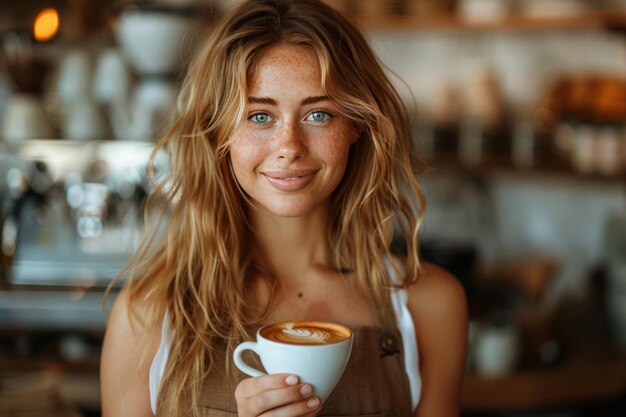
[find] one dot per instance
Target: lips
(290, 180)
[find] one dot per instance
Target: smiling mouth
(290, 182)
(296, 178)
(289, 174)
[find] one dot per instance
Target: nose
(290, 142)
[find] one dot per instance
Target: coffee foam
(306, 333)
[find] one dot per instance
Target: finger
(252, 386)
(311, 406)
(279, 398)
(304, 408)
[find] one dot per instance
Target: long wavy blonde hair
(199, 268)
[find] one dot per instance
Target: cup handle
(244, 367)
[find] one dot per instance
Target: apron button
(389, 344)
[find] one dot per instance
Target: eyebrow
(272, 102)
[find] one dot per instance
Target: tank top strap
(157, 367)
(385, 314)
(401, 317)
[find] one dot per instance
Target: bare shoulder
(127, 352)
(436, 292)
(438, 306)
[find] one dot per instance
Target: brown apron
(374, 382)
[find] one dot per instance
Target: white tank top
(399, 301)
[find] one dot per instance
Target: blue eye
(260, 118)
(318, 116)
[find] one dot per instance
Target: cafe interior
(518, 111)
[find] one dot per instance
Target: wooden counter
(577, 381)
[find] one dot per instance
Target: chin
(287, 210)
(293, 213)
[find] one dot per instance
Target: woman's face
(291, 152)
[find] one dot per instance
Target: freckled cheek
(336, 146)
(246, 155)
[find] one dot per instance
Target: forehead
(284, 65)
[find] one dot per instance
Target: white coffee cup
(25, 118)
(112, 77)
(74, 75)
(317, 352)
(496, 350)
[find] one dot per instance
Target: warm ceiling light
(46, 24)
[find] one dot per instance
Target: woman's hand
(279, 395)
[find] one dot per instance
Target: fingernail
(291, 380)
(306, 389)
(313, 402)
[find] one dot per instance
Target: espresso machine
(72, 210)
(71, 219)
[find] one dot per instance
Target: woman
(292, 169)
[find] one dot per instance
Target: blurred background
(519, 111)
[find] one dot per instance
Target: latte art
(306, 333)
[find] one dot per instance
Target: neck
(291, 246)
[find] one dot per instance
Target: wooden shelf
(443, 22)
(500, 165)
